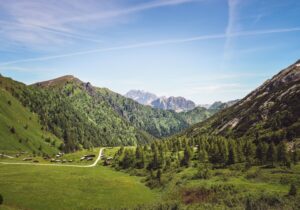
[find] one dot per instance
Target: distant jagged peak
(177, 104)
(141, 96)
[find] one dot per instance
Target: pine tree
(139, 156)
(187, 156)
(223, 148)
(249, 149)
(261, 152)
(232, 156)
(158, 175)
(271, 153)
(239, 151)
(203, 156)
(295, 154)
(282, 153)
(128, 159)
(155, 157)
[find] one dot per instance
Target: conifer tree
(139, 156)
(282, 153)
(271, 153)
(158, 175)
(232, 156)
(261, 152)
(295, 154)
(187, 156)
(128, 159)
(203, 156)
(249, 149)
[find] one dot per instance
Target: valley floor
(34, 187)
(46, 187)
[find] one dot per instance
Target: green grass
(28, 134)
(271, 182)
(75, 157)
(43, 187)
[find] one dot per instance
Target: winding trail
(60, 165)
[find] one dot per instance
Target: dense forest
(209, 157)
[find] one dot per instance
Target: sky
(204, 50)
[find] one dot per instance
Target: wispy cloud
(232, 27)
(126, 11)
(155, 43)
(36, 24)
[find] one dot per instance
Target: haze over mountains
(178, 104)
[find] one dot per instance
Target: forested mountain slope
(66, 109)
(270, 112)
(159, 123)
(197, 115)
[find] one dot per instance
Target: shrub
(293, 190)
(203, 173)
(253, 175)
(13, 130)
(1, 199)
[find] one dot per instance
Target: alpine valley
(241, 154)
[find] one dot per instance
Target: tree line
(215, 150)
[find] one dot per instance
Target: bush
(203, 173)
(253, 175)
(293, 190)
(13, 130)
(1, 199)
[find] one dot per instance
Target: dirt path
(61, 165)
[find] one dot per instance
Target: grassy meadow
(46, 187)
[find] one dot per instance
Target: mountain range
(68, 114)
(178, 104)
(269, 113)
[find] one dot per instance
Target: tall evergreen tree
(187, 156)
(282, 153)
(158, 175)
(271, 153)
(295, 154)
(203, 156)
(261, 152)
(140, 158)
(232, 155)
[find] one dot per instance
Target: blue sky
(204, 50)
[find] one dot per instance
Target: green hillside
(197, 115)
(71, 111)
(20, 129)
(84, 116)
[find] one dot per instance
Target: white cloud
(153, 43)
